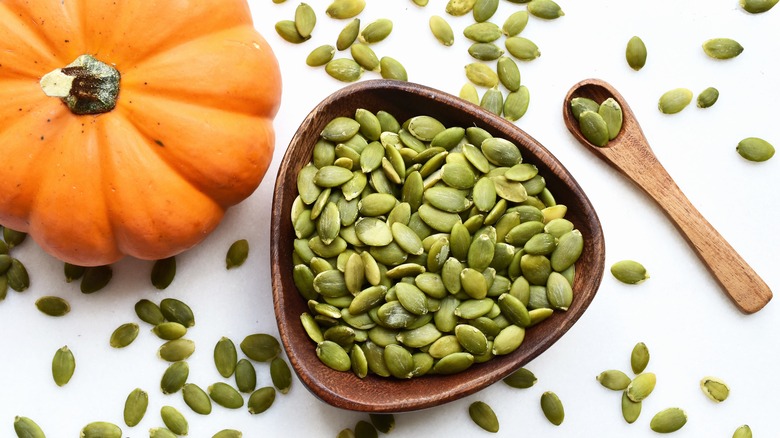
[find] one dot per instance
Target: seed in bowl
(425, 248)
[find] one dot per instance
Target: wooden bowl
(378, 394)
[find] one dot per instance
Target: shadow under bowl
(387, 395)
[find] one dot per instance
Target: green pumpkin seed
(636, 53)
(641, 387)
(376, 31)
(453, 363)
(62, 366)
(483, 416)
(228, 433)
(552, 408)
(714, 388)
(640, 356)
(743, 432)
(384, 423)
(722, 48)
(469, 93)
(508, 340)
(13, 237)
(582, 104)
(346, 433)
(174, 377)
(161, 432)
(559, 292)
(246, 376)
(225, 395)
(320, 56)
(176, 350)
(441, 30)
(175, 310)
(481, 75)
(501, 152)
(522, 48)
(308, 190)
(101, 429)
(399, 361)
(610, 111)
(594, 128)
(289, 32)
(163, 272)
(629, 408)
(516, 103)
(508, 73)
(514, 310)
(485, 51)
(546, 9)
(135, 407)
(493, 101)
(752, 149)
(237, 254)
(629, 272)
(73, 272)
(281, 376)
(521, 379)
(260, 347)
(486, 32)
(390, 68)
(27, 428)
(669, 420)
(472, 339)
(674, 101)
(174, 420)
(52, 306)
(425, 128)
(348, 35)
(124, 335)
(484, 9)
(333, 355)
(370, 126)
(364, 56)
(344, 69)
(305, 20)
(707, 98)
(364, 429)
(515, 23)
(615, 380)
(196, 398)
(95, 278)
(757, 6)
(459, 8)
(343, 9)
(225, 357)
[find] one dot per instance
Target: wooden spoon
(631, 155)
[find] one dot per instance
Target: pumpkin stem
(86, 86)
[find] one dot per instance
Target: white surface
(690, 327)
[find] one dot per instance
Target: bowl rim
(285, 191)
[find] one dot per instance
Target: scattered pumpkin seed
(225, 395)
(228, 433)
(96, 278)
(442, 30)
(163, 272)
(135, 407)
(237, 254)
(174, 377)
(344, 69)
(751, 148)
(722, 48)
(459, 8)
(364, 429)
(615, 380)
(348, 35)
(552, 408)
(757, 6)
(52, 306)
(707, 98)
(169, 330)
(521, 379)
(674, 101)
(629, 272)
(522, 48)
(260, 347)
(376, 31)
(343, 9)
(196, 398)
(101, 429)
(149, 312)
(175, 310)
(546, 9)
(483, 10)
(346, 433)
(305, 20)
(124, 335)
(630, 408)
(73, 272)
(483, 416)
(493, 101)
(485, 51)
(668, 420)
(261, 400)
(281, 376)
(320, 55)
(27, 428)
(714, 388)
(636, 53)
(486, 32)
(63, 366)
(225, 357)
(640, 356)
(161, 432)
(17, 276)
(384, 423)
(176, 350)
(390, 68)
(743, 432)
(246, 376)
(13, 237)
(469, 93)
(641, 387)
(481, 74)
(516, 103)
(508, 73)
(289, 32)
(515, 23)
(174, 420)
(3, 287)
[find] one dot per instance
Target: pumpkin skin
(191, 134)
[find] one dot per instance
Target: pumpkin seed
(305, 20)
(669, 420)
(196, 398)
(521, 379)
(52, 306)
(568, 250)
(169, 330)
(594, 128)
(261, 400)
(343, 9)
(454, 363)
(483, 416)
(174, 377)
(472, 339)
(101, 429)
(516, 103)
(346, 433)
(384, 423)
(289, 32)
(522, 48)
(320, 56)
(640, 356)
(333, 355)
(163, 272)
(281, 375)
(124, 335)
(484, 9)
(225, 395)
(13, 238)
(364, 429)
(481, 75)
(641, 387)
(615, 380)
(674, 101)
(176, 350)
(344, 69)
(469, 93)
(508, 340)
(582, 104)
(175, 310)
(714, 388)
(508, 73)
(237, 254)
(228, 433)
(348, 35)
(95, 278)
(546, 9)
(559, 292)
(174, 420)
(441, 30)
(27, 428)
(73, 272)
(630, 409)
(376, 31)
(514, 310)
(399, 361)
(260, 347)
(515, 23)
(610, 111)
(390, 68)
(225, 357)
(485, 51)
(636, 53)
(493, 101)
(552, 408)
(722, 48)
(743, 432)
(707, 98)
(459, 8)
(752, 149)
(364, 56)
(135, 407)
(757, 6)
(629, 272)
(63, 366)
(161, 432)
(486, 32)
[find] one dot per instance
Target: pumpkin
(94, 173)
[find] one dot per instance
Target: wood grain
(377, 394)
(632, 156)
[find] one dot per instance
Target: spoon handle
(740, 282)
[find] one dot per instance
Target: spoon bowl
(377, 394)
(631, 155)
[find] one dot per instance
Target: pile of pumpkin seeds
(425, 248)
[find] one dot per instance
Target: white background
(690, 327)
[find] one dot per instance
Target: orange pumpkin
(151, 174)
